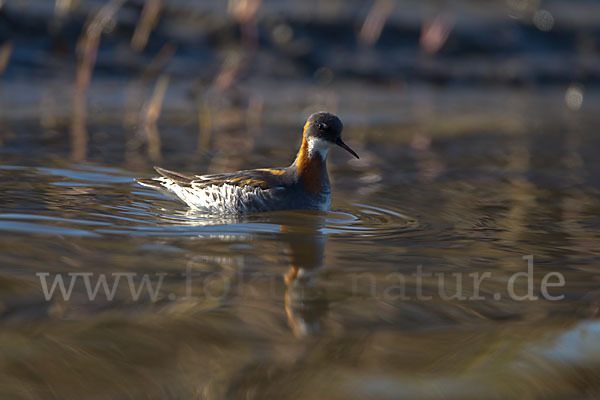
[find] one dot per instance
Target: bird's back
(241, 192)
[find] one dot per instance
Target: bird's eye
(322, 126)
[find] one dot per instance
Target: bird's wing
(260, 178)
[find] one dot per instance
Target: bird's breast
(313, 174)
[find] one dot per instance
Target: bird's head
(322, 130)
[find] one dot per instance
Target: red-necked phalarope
(304, 185)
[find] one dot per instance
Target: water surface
(274, 305)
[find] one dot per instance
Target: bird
(304, 185)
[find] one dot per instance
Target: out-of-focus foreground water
(376, 299)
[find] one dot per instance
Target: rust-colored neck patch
(310, 169)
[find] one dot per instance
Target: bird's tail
(169, 183)
(151, 183)
(166, 175)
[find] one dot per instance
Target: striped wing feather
(263, 179)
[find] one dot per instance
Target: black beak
(344, 146)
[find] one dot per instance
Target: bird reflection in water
(305, 303)
(302, 234)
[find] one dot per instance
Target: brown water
(460, 260)
(308, 305)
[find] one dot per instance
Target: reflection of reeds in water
(375, 21)
(147, 22)
(244, 11)
(224, 106)
(63, 7)
(88, 51)
(434, 34)
(150, 117)
(5, 52)
(88, 45)
(140, 117)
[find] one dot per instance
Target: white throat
(319, 147)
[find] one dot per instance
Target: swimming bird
(304, 185)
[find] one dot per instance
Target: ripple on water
(361, 220)
(356, 221)
(114, 205)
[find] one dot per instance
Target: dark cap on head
(331, 122)
(327, 126)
